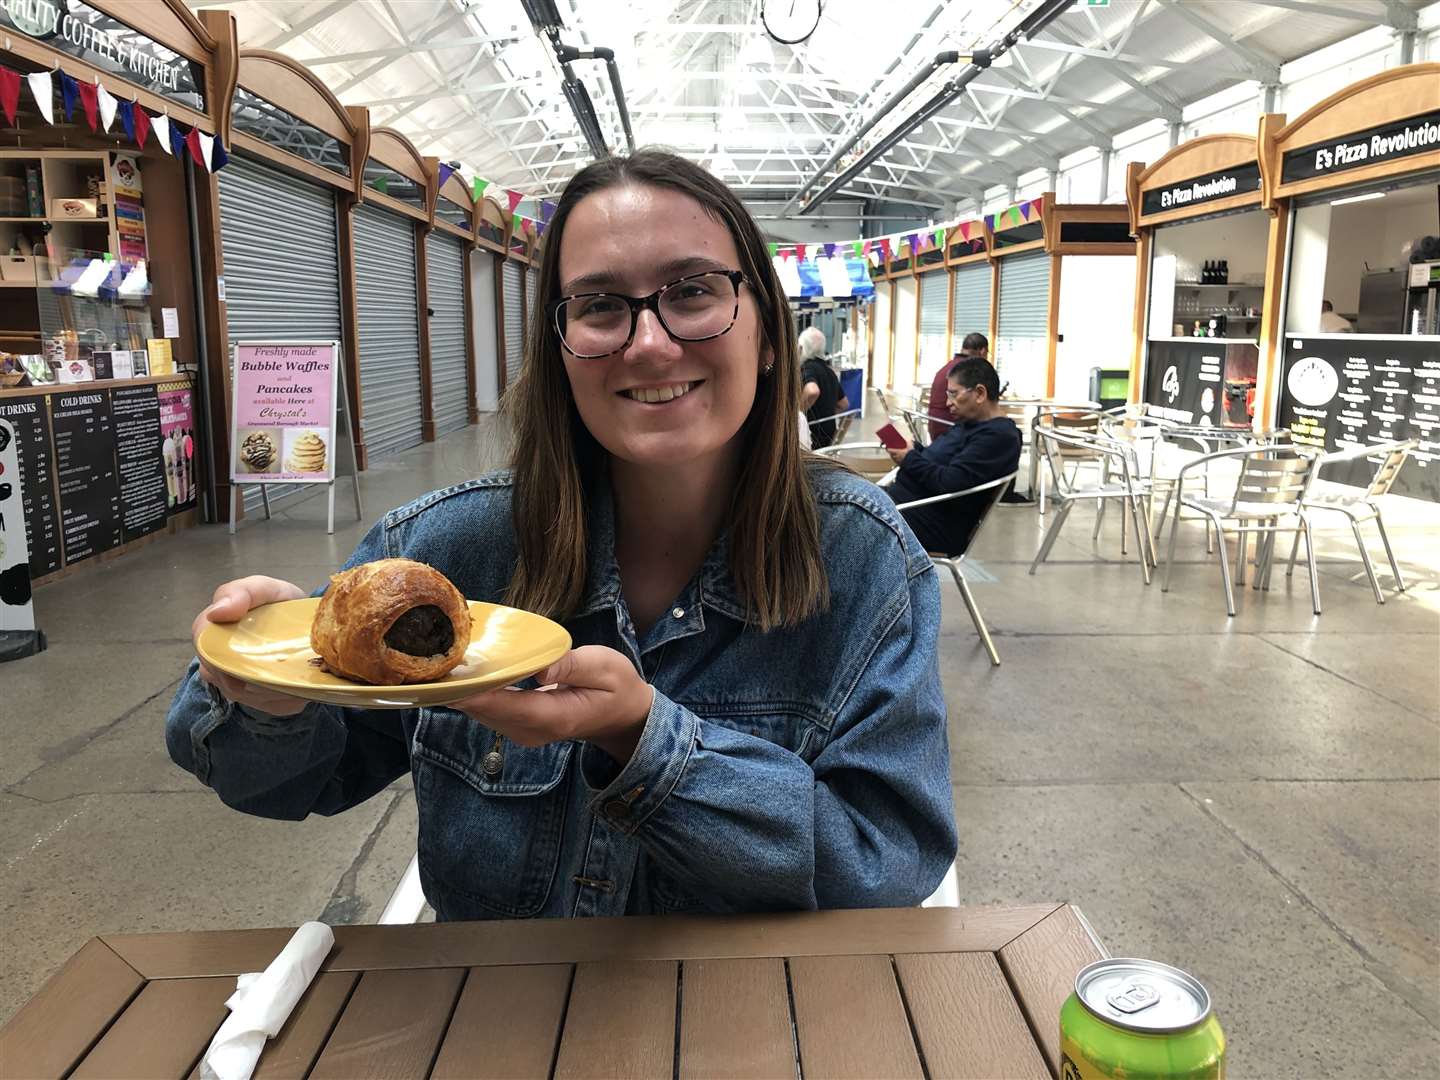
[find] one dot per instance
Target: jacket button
(678, 612)
(492, 763)
(617, 808)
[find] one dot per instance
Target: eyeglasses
(695, 308)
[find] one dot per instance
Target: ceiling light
(1358, 198)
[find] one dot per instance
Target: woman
(752, 717)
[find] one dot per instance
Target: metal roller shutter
(1024, 295)
(389, 330)
(971, 313)
(934, 307)
(279, 283)
(514, 321)
(445, 281)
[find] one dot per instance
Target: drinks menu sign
(282, 424)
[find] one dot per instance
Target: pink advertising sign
(282, 423)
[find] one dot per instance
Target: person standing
(974, 345)
(820, 393)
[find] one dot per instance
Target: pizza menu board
(143, 472)
(84, 433)
(1346, 390)
(30, 417)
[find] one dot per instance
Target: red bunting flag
(965, 230)
(192, 140)
(90, 102)
(885, 247)
(9, 92)
(866, 249)
(800, 252)
(514, 197)
(142, 125)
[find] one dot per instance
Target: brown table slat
(564, 941)
(163, 1032)
(60, 1023)
(621, 1022)
(735, 1020)
(968, 1023)
(392, 1025)
(849, 1019)
(294, 1050)
(507, 1023)
(1041, 965)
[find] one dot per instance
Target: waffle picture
(257, 451)
(307, 454)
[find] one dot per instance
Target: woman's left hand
(597, 696)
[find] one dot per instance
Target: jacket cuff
(628, 799)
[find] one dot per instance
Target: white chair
(953, 561)
(1362, 508)
(407, 902)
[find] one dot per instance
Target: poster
(1346, 390)
(177, 444)
(1204, 381)
(283, 420)
(136, 412)
(16, 611)
(129, 203)
(84, 434)
(30, 417)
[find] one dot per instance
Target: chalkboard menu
(136, 410)
(85, 463)
(31, 418)
(1348, 390)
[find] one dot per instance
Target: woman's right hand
(230, 603)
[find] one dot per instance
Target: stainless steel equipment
(1382, 302)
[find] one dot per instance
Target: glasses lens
(595, 325)
(700, 307)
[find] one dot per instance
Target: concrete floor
(1254, 799)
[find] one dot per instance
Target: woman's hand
(598, 697)
(230, 603)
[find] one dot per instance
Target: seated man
(983, 445)
(973, 345)
(820, 393)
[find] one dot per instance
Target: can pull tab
(1133, 997)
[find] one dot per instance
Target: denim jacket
(801, 768)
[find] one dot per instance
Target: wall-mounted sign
(75, 28)
(1240, 180)
(1388, 142)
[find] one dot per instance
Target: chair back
(1076, 424)
(1062, 446)
(1273, 478)
(992, 498)
(1387, 472)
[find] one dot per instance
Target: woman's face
(633, 240)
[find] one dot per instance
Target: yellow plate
(270, 647)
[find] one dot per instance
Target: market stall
(1357, 180)
(1202, 290)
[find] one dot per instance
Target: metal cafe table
(904, 992)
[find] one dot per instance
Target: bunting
(774, 250)
(42, 88)
(446, 171)
(108, 105)
(161, 124)
(547, 211)
(89, 101)
(940, 237)
(479, 186)
(142, 124)
(126, 112)
(9, 93)
(800, 252)
(514, 197)
(69, 97)
(177, 140)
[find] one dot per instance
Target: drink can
(1139, 1020)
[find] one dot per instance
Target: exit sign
(1092, 3)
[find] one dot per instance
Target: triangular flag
(197, 153)
(161, 124)
(446, 171)
(207, 145)
(514, 224)
(885, 247)
(9, 93)
(142, 125)
(218, 157)
(964, 227)
(1014, 215)
(480, 186)
(514, 197)
(69, 96)
(774, 250)
(127, 118)
(525, 225)
(800, 250)
(89, 102)
(914, 242)
(1025, 211)
(990, 222)
(547, 210)
(177, 139)
(828, 251)
(43, 89)
(1036, 204)
(108, 104)
(939, 237)
(382, 185)
(858, 248)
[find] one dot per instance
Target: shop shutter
(1024, 295)
(279, 283)
(389, 330)
(934, 306)
(514, 321)
(445, 280)
(971, 314)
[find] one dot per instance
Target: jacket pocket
(490, 841)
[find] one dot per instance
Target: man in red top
(976, 345)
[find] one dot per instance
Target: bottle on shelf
(1224, 271)
(1205, 273)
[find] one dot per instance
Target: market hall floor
(1255, 799)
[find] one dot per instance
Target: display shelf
(55, 221)
(1213, 285)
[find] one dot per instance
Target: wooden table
(906, 992)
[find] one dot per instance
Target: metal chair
(842, 422)
(919, 424)
(1131, 490)
(869, 459)
(1271, 485)
(1071, 421)
(1362, 508)
(954, 561)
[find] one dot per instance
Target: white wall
(1372, 233)
(482, 301)
(1240, 239)
(1097, 309)
(906, 299)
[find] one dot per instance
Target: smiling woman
(752, 717)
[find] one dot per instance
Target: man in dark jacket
(983, 445)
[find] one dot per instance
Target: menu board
(30, 417)
(283, 418)
(143, 472)
(1186, 380)
(84, 433)
(177, 432)
(16, 612)
(1347, 390)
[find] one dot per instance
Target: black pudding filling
(421, 631)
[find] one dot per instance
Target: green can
(1139, 1020)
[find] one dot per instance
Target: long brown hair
(773, 524)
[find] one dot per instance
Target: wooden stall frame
(1062, 214)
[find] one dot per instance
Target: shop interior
(1208, 276)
